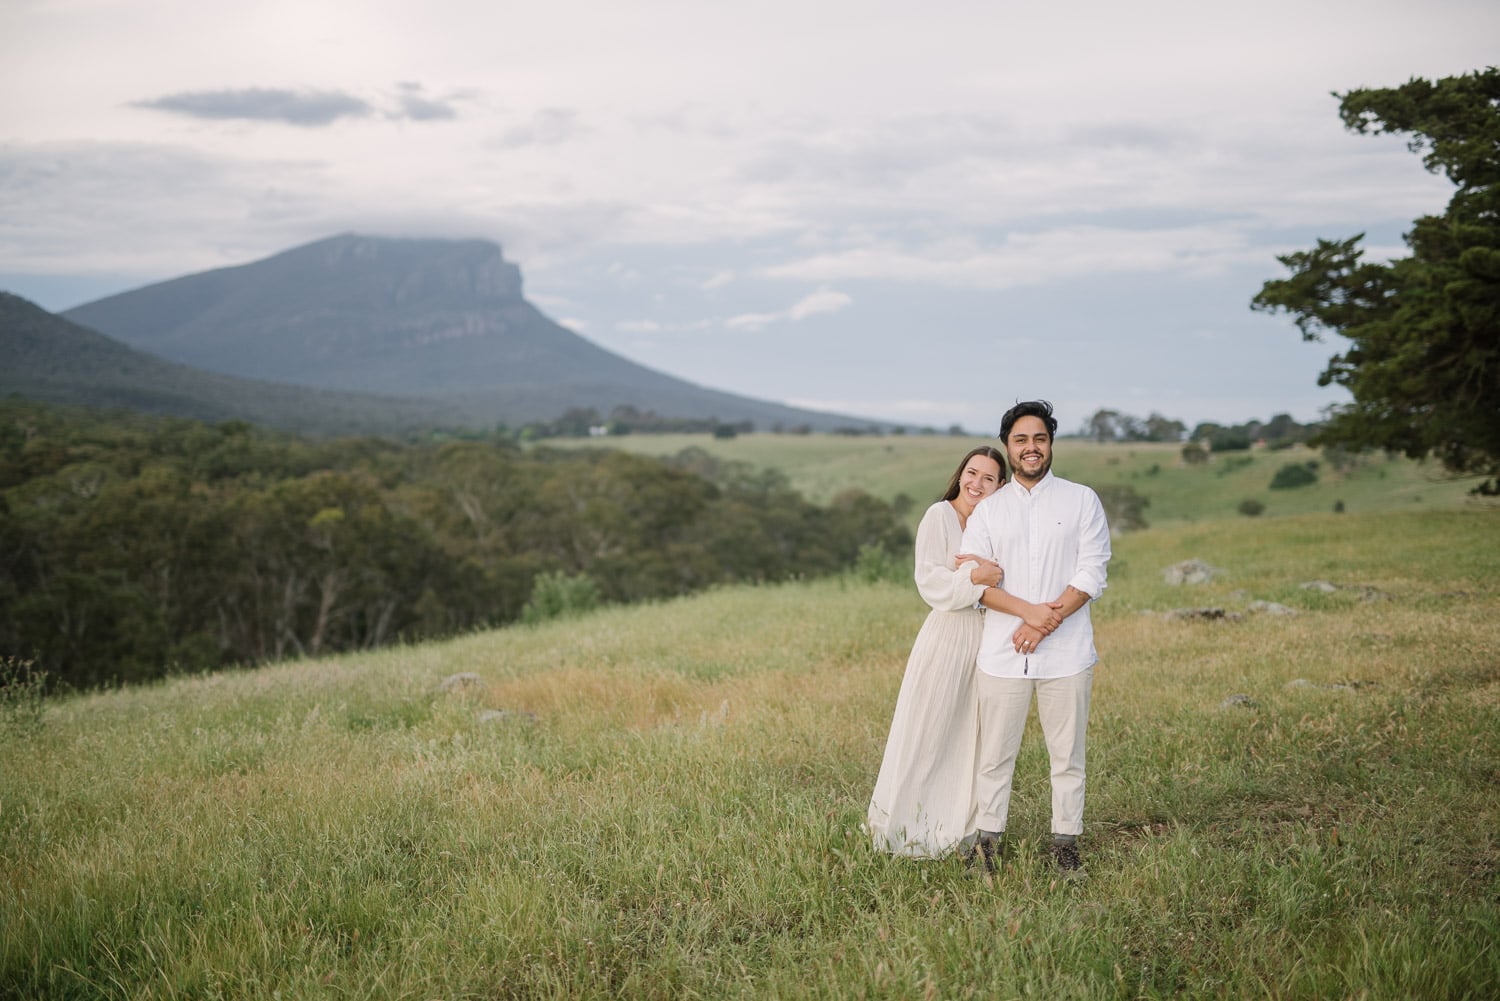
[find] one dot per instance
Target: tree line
(1280, 431)
(132, 547)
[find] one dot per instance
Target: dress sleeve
(941, 586)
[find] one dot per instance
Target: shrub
(1194, 454)
(1250, 507)
(1229, 440)
(1292, 475)
(875, 564)
(1123, 507)
(556, 594)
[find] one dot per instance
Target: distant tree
(1159, 428)
(1423, 362)
(1194, 454)
(1282, 428)
(1103, 425)
(1112, 425)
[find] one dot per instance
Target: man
(1051, 537)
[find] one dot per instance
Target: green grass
(919, 466)
(671, 808)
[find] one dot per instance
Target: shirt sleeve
(944, 588)
(1091, 576)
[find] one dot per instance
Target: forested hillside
(132, 547)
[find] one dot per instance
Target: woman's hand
(988, 572)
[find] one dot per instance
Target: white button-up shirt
(1046, 538)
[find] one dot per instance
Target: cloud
(413, 104)
(1035, 258)
(263, 104)
(822, 301)
(100, 207)
(548, 127)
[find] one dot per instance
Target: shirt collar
(1041, 485)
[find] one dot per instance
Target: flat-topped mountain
(441, 319)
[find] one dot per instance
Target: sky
(911, 212)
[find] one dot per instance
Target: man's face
(1029, 449)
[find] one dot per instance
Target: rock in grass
(503, 715)
(1321, 586)
(1189, 572)
(1271, 608)
(1238, 702)
(458, 682)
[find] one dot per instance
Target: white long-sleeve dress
(923, 804)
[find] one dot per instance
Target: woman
(923, 804)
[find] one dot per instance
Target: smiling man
(1051, 536)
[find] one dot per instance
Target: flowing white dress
(923, 804)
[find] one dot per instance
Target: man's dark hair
(1031, 408)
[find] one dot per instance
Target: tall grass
(664, 801)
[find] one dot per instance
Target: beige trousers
(1062, 706)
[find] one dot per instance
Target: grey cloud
(413, 104)
(263, 104)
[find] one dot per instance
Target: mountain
(54, 360)
(442, 319)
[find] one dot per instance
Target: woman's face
(980, 478)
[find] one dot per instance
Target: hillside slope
(51, 359)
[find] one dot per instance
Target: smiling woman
(923, 803)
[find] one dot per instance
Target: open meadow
(820, 466)
(664, 801)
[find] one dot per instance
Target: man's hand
(1044, 618)
(1026, 638)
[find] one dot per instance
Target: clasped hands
(1038, 621)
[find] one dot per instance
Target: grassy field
(919, 466)
(664, 801)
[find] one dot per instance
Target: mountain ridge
(444, 320)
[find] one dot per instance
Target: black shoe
(1065, 854)
(989, 850)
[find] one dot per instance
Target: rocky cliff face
(424, 269)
